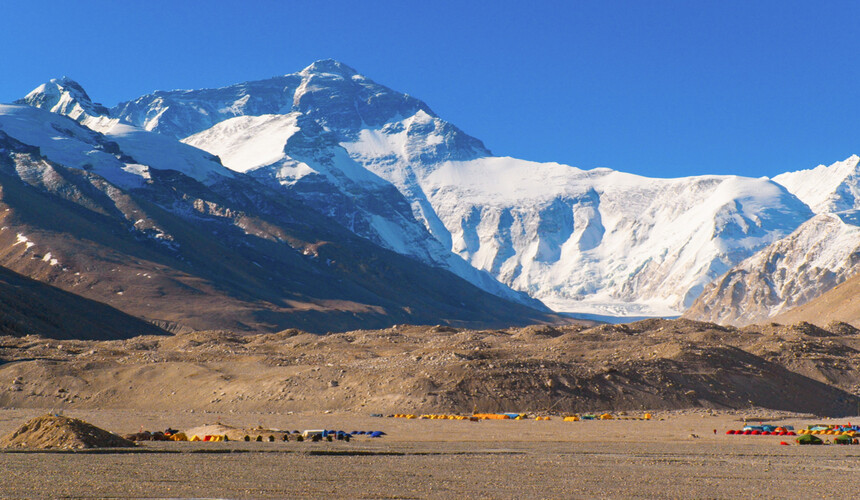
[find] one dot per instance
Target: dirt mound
(54, 431)
(843, 329)
(811, 330)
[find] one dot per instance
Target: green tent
(843, 439)
(809, 439)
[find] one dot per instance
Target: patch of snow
(23, 239)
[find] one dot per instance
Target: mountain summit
(64, 96)
(330, 66)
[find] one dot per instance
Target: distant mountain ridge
(387, 168)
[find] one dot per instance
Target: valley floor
(442, 459)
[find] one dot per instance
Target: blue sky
(658, 88)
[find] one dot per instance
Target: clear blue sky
(658, 88)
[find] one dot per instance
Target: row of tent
(516, 416)
(832, 430)
(779, 431)
(604, 416)
(768, 428)
(313, 435)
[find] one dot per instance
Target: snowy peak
(823, 252)
(64, 96)
(329, 92)
(826, 189)
(330, 66)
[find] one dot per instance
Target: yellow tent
(179, 436)
(195, 438)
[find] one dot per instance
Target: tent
(843, 439)
(809, 439)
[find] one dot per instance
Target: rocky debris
(56, 431)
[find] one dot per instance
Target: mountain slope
(820, 254)
(28, 307)
(840, 303)
(218, 251)
(594, 241)
(294, 152)
(826, 189)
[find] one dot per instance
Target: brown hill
(56, 431)
(842, 303)
(654, 364)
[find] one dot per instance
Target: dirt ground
(675, 455)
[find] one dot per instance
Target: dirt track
(442, 459)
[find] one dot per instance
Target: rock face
(820, 254)
(162, 231)
(595, 241)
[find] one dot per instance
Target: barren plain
(675, 455)
(695, 378)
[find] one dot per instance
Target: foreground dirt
(654, 364)
(660, 458)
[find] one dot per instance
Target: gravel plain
(675, 455)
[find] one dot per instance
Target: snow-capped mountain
(820, 254)
(160, 230)
(587, 241)
(295, 153)
(826, 189)
(617, 243)
(385, 166)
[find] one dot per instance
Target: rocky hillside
(841, 303)
(653, 364)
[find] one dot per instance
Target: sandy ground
(441, 459)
